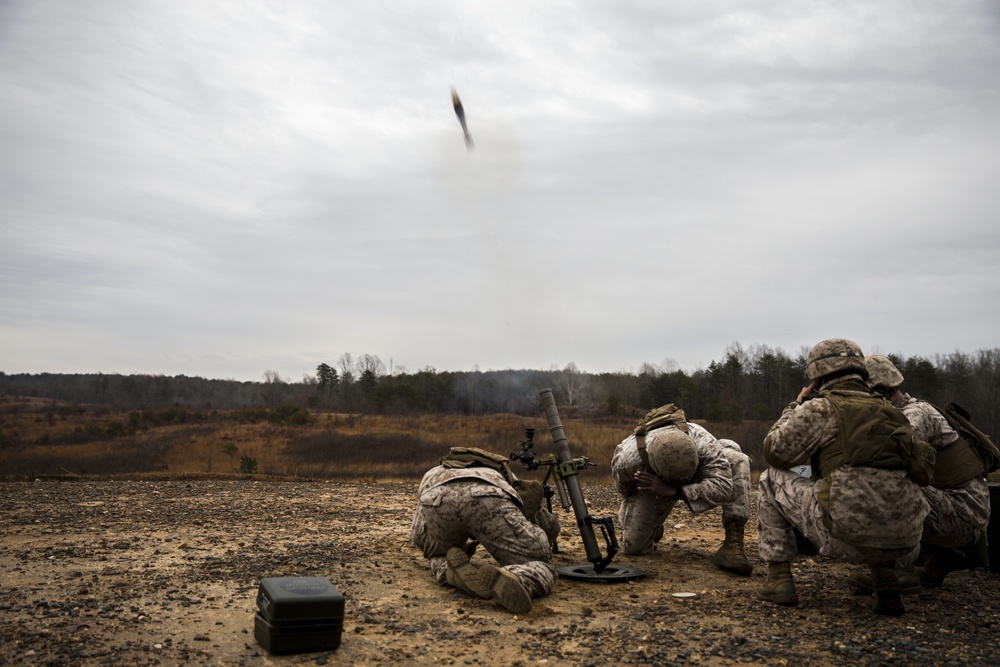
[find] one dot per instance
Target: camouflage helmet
(833, 355)
(672, 455)
(882, 372)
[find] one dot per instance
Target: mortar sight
(526, 456)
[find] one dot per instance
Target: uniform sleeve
(928, 424)
(714, 481)
(624, 464)
(799, 432)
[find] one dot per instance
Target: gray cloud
(219, 189)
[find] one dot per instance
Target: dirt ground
(165, 572)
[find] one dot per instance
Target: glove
(532, 493)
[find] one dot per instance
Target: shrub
(248, 465)
(249, 415)
(290, 415)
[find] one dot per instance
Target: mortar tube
(594, 553)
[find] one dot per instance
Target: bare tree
(670, 365)
(370, 363)
(273, 388)
(346, 363)
(370, 371)
(652, 370)
(573, 383)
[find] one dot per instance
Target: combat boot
(486, 581)
(463, 575)
(909, 581)
(506, 588)
(938, 563)
(732, 555)
(888, 600)
(779, 587)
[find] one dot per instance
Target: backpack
(472, 457)
(665, 415)
(980, 443)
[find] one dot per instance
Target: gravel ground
(165, 572)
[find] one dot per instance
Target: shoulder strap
(640, 443)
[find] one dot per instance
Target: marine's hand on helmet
(805, 392)
(650, 482)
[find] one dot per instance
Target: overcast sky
(222, 188)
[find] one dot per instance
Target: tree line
(749, 383)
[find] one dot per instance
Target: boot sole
(488, 582)
(509, 593)
(467, 576)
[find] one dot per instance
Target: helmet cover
(672, 455)
(882, 372)
(833, 355)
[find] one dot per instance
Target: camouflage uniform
(960, 515)
(722, 478)
(872, 512)
(461, 504)
(737, 508)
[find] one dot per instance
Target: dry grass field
(38, 438)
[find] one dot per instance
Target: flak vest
(871, 433)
